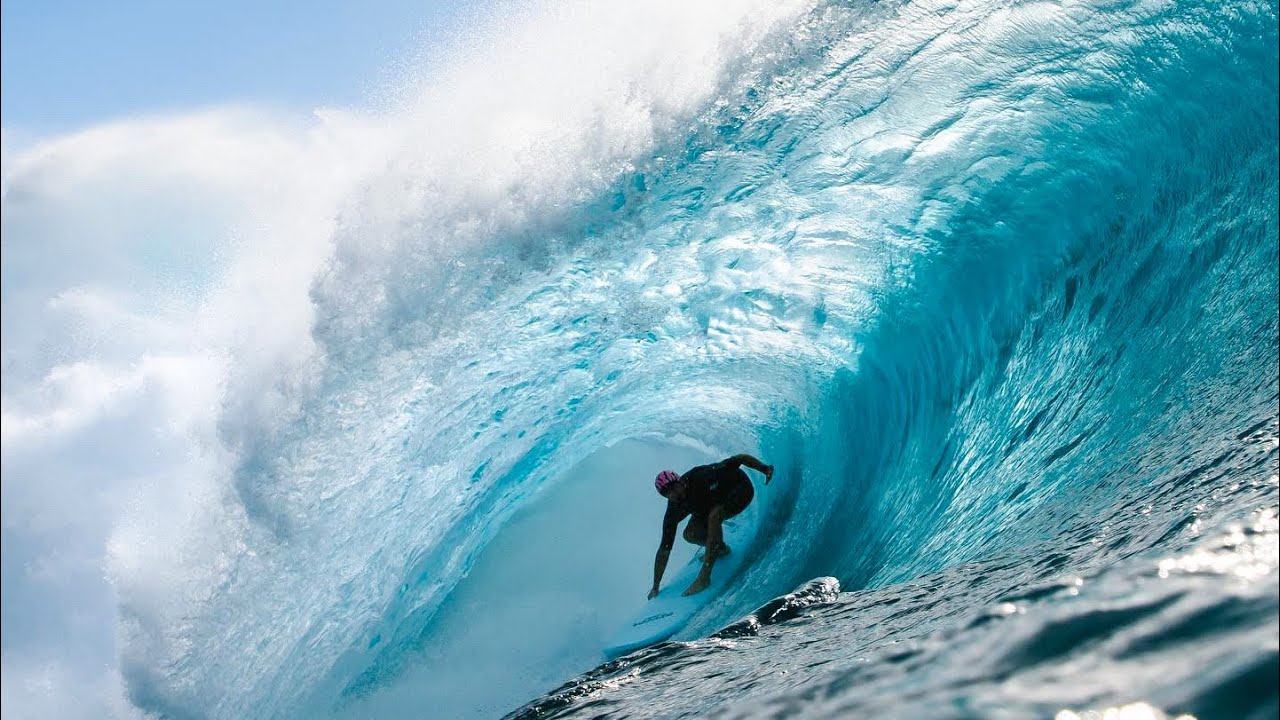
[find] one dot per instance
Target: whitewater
(358, 415)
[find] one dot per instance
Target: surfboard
(666, 614)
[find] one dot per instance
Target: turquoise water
(994, 286)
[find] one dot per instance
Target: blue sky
(67, 64)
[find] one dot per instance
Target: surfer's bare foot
(702, 556)
(698, 586)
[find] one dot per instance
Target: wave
(967, 275)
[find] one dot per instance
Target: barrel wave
(993, 286)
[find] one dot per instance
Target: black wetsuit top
(722, 483)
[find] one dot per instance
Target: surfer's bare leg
(714, 541)
(695, 533)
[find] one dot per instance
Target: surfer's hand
(653, 593)
(768, 474)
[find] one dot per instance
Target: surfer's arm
(669, 523)
(753, 463)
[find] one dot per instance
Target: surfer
(711, 494)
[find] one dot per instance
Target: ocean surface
(992, 284)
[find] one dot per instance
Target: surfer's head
(665, 480)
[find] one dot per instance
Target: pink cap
(664, 480)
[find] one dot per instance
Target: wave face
(994, 286)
